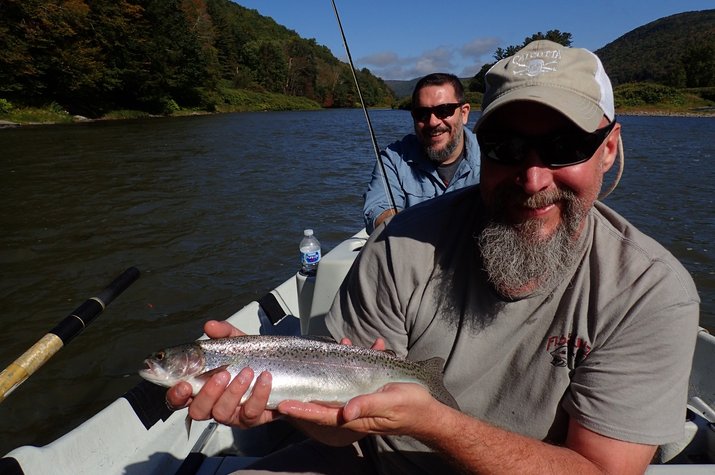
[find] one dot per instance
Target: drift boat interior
(137, 434)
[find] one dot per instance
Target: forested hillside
(92, 56)
(677, 51)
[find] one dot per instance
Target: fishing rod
(375, 147)
(72, 325)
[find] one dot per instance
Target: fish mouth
(152, 371)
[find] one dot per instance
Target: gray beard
(518, 261)
(439, 156)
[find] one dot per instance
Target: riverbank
(700, 112)
(128, 115)
(228, 100)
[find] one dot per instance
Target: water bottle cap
(308, 232)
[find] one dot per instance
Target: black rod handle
(82, 316)
(38, 354)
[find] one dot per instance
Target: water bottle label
(312, 257)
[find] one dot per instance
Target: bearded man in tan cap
(567, 334)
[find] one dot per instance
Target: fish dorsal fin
(320, 338)
(433, 365)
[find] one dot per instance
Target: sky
(396, 39)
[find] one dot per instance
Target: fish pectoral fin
(211, 372)
(187, 424)
(328, 403)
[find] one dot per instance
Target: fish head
(171, 365)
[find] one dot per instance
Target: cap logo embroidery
(535, 63)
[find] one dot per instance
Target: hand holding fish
(219, 400)
(179, 395)
(395, 409)
(221, 372)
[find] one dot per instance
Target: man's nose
(534, 176)
(433, 120)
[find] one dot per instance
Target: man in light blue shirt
(441, 156)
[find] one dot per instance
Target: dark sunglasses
(442, 111)
(559, 149)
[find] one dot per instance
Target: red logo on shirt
(567, 350)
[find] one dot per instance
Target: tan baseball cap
(569, 80)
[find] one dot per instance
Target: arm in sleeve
(633, 386)
(376, 199)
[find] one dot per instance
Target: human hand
(394, 409)
(220, 400)
(378, 345)
(221, 329)
(179, 395)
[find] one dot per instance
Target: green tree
(177, 55)
(52, 39)
(16, 65)
(89, 56)
(699, 66)
(267, 63)
(229, 38)
(302, 70)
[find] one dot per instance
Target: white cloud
(383, 59)
(479, 47)
(464, 61)
(389, 65)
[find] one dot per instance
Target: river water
(211, 210)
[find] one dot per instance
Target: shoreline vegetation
(48, 116)
(644, 99)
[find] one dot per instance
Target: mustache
(546, 198)
(439, 129)
(512, 195)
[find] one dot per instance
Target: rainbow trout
(303, 368)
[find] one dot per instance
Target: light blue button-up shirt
(413, 177)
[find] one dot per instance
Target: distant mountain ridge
(402, 88)
(678, 50)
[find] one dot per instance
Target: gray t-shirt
(610, 345)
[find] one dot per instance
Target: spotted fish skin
(302, 368)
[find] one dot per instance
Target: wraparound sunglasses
(560, 149)
(442, 111)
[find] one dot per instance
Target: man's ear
(610, 150)
(465, 108)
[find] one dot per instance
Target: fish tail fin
(435, 381)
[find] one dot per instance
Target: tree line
(93, 56)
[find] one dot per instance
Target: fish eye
(160, 355)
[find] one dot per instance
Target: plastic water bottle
(309, 253)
